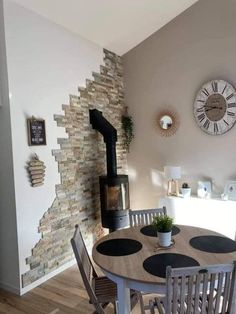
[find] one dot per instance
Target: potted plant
(163, 225)
(128, 132)
(186, 190)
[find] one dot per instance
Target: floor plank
(63, 294)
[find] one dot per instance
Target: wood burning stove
(114, 189)
(114, 196)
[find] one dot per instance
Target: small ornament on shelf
(186, 190)
(36, 169)
(204, 189)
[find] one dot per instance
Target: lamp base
(173, 188)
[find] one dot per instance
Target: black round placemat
(151, 231)
(156, 264)
(213, 244)
(119, 247)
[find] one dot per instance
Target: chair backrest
(85, 265)
(204, 290)
(145, 216)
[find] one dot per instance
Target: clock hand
(214, 108)
(207, 106)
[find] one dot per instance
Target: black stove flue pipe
(109, 133)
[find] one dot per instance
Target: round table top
(131, 266)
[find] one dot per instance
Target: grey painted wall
(168, 69)
(9, 267)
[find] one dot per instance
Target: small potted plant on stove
(163, 225)
(186, 190)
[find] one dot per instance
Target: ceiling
(118, 25)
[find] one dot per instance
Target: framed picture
(204, 189)
(230, 190)
(36, 132)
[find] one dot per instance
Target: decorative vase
(186, 192)
(164, 238)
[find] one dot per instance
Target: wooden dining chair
(101, 290)
(198, 290)
(145, 216)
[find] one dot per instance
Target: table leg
(123, 293)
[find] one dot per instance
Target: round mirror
(166, 122)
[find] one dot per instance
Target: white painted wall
(46, 63)
(9, 270)
(168, 69)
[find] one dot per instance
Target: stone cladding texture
(81, 160)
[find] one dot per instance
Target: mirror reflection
(166, 122)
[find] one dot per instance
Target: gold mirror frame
(175, 122)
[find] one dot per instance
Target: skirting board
(48, 276)
(9, 288)
(35, 284)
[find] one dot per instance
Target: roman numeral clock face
(215, 107)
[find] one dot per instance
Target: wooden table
(128, 272)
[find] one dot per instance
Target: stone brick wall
(81, 159)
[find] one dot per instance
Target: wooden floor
(64, 293)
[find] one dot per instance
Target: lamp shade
(172, 172)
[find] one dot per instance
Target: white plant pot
(164, 238)
(186, 192)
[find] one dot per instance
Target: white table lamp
(173, 174)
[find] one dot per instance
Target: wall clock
(215, 107)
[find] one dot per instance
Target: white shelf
(212, 198)
(214, 213)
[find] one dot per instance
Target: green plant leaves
(128, 135)
(163, 223)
